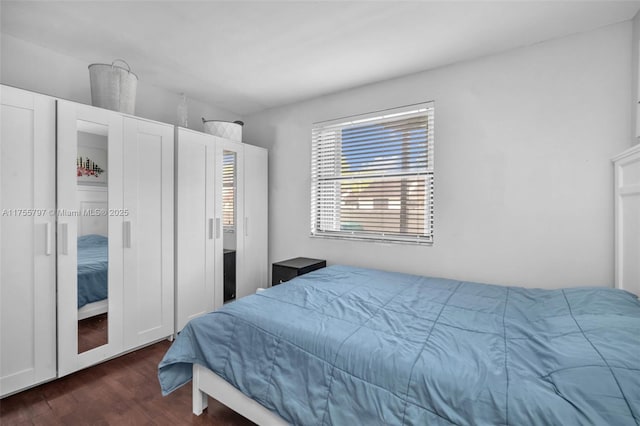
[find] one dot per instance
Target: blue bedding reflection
(93, 265)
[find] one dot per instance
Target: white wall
(635, 69)
(32, 67)
(524, 187)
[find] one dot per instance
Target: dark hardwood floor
(123, 391)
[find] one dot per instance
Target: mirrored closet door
(230, 181)
(90, 235)
(242, 191)
(255, 263)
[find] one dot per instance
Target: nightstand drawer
(288, 269)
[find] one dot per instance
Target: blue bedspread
(93, 265)
(350, 346)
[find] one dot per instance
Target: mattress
(93, 265)
(344, 345)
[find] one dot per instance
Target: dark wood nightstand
(291, 268)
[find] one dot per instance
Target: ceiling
(248, 56)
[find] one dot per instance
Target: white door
(627, 223)
(148, 231)
(27, 240)
(197, 226)
(89, 158)
(255, 263)
(230, 209)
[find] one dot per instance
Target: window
(372, 176)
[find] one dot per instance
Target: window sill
(359, 238)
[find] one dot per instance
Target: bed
(344, 345)
(93, 265)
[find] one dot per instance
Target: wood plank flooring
(123, 391)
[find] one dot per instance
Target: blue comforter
(350, 346)
(93, 265)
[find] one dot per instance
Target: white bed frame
(92, 309)
(206, 383)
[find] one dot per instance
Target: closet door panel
(230, 210)
(627, 220)
(78, 122)
(256, 190)
(196, 225)
(27, 240)
(148, 231)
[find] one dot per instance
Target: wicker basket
(225, 129)
(113, 87)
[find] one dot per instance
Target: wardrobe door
(627, 220)
(148, 231)
(230, 212)
(27, 240)
(198, 229)
(255, 262)
(90, 235)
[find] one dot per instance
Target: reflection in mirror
(93, 247)
(229, 221)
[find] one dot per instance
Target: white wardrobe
(135, 157)
(221, 208)
(627, 219)
(102, 178)
(90, 196)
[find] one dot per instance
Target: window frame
(426, 237)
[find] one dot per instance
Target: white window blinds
(372, 176)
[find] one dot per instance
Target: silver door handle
(212, 230)
(64, 237)
(127, 234)
(47, 239)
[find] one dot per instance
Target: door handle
(127, 234)
(47, 239)
(212, 230)
(64, 237)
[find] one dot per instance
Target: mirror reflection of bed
(93, 265)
